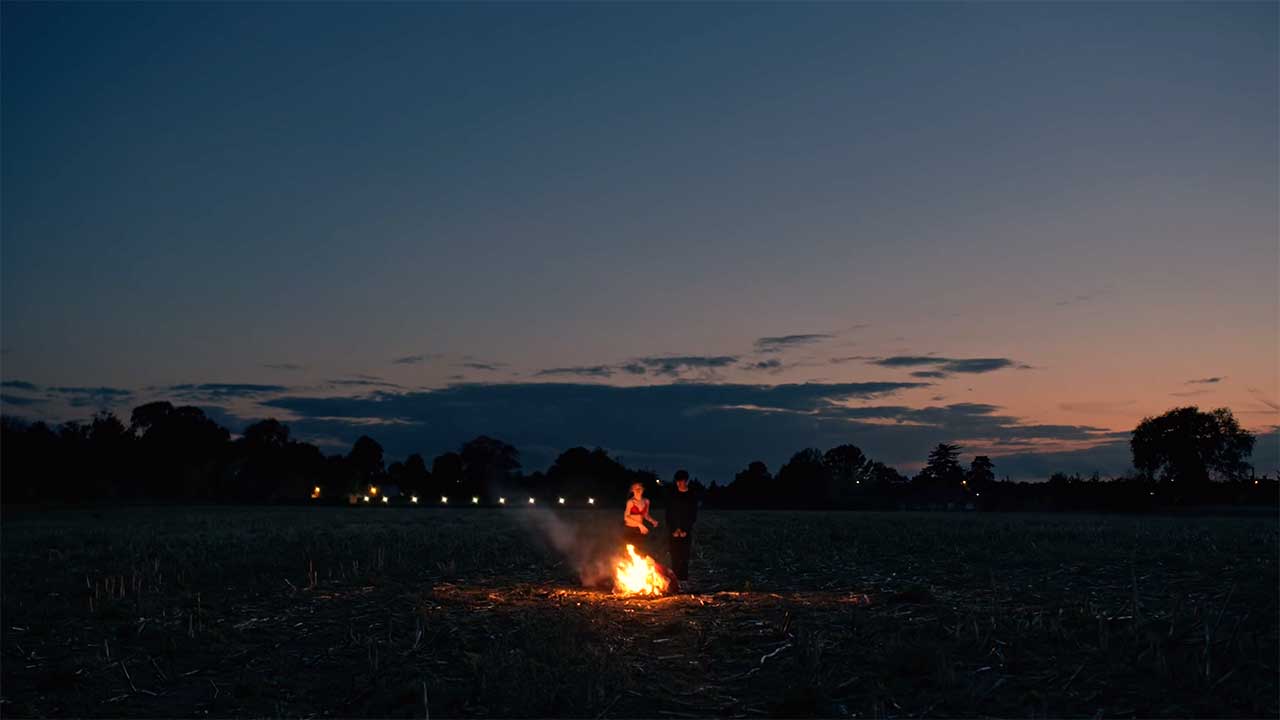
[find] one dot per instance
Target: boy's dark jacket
(682, 510)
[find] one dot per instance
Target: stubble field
(384, 612)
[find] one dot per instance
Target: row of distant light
(444, 500)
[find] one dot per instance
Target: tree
(1191, 446)
(803, 481)
(365, 463)
(446, 474)
(182, 450)
(943, 467)
(414, 478)
(269, 434)
(487, 463)
(981, 473)
(579, 472)
(846, 465)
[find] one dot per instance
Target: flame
(315, 492)
(639, 575)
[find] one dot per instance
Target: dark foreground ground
(388, 612)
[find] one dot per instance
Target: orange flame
(638, 576)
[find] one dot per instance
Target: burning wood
(639, 575)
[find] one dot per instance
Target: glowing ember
(638, 575)
(315, 492)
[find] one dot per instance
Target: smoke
(587, 553)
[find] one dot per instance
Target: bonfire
(638, 574)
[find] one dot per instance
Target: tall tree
(366, 464)
(487, 463)
(981, 473)
(1191, 446)
(803, 481)
(846, 466)
(943, 467)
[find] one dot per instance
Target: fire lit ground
(388, 612)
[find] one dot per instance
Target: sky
(695, 235)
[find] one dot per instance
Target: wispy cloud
(784, 342)
(19, 401)
(92, 396)
(580, 371)
(363, 382)
(223, 391)
(1084, 297)
(930, 374)
(674, 365)
(772, 365)
(1262, 398)
(487, 367)
(1096, 406)
(416, 359)
(947, 366)
(19, 385)
(283, 366)
(1207, 381)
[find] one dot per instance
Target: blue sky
(386, 208)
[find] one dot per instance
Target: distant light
(475, 500)
(444, 500)
(964, 482)
(591, 501)
(977, 494)
(530, 501)
(658, 481)
(315, 492)
(373, 490)
(502, 501)
(384, 498)
(413, 499)
(1153, 492)
(561, 501)
(857, 482)
(1255, 482)
(366, 498)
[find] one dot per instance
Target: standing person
(682, 513)
(634, 516)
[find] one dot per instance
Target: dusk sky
(695, 235)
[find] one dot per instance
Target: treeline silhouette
(178, 454)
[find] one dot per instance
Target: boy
(682, 512)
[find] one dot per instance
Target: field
(336, 612)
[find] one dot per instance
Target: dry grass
(372, 611)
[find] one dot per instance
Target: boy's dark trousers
(680, 547)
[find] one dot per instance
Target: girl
(634, 516)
